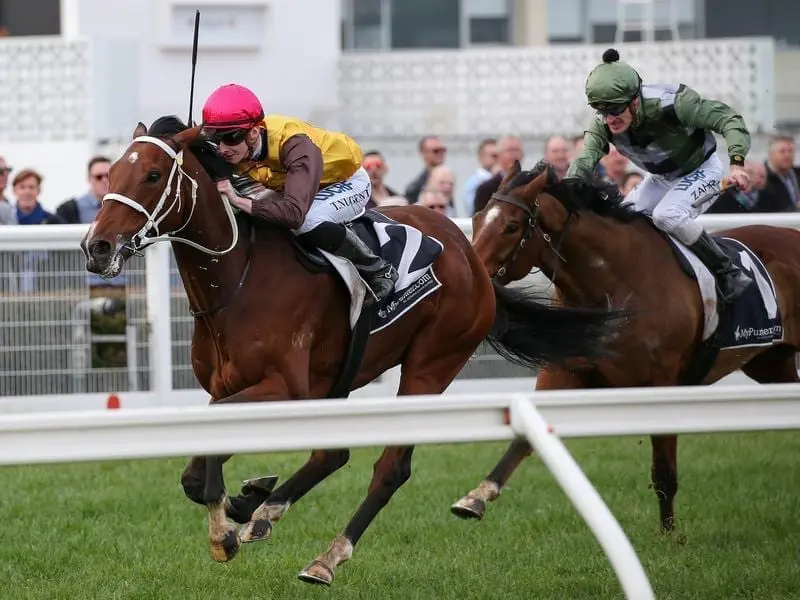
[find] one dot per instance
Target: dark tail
(531, 333)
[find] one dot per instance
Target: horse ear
(552, 176)
(514, 170)
(541, 181)
(141, 129)
(187, 136)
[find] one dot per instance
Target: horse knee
(393, 477)
(194, 484)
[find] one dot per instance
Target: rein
(531, 225)
(142, 238)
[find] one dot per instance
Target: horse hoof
(256, 531)
(226, 549)
(317, 573)
(469, 508)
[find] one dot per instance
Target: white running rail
(35, 438)
(527, 420)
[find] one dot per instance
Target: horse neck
(597, 252)
(210, 280)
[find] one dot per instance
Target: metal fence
(58, 335)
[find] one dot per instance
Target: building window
(390, 24)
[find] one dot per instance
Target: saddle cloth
(753, 319)
(411, 253)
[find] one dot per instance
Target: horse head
(154, 190)
(508, 222)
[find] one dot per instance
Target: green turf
(124, 529)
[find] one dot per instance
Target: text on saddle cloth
(753, 319)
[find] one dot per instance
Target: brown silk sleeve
(302, 160)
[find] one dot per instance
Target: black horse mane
(213, 164)
(592, 193)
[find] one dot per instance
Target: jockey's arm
(695, 111)
(595, 147)
(302, 160)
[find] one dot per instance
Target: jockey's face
(237, 145)
(619, 118)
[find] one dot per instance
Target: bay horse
(596, 250)
(270, 327)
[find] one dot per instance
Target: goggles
(605, 108)
(229, 137)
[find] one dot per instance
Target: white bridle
(155, 218)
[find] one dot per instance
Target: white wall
(294, 70)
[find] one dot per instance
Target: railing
(542, 417)
(47, 336)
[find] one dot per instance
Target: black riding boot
(730, 279)
(379, 274)
(342, 241)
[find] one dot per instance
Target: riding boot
(379, 274)
(730, 279)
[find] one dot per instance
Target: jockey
(666, 130)
(295, 175)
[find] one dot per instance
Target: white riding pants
(670, 202)
(338, 202)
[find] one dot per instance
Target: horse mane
(577, 194)
(206, 153)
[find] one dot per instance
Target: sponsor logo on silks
(685, 183)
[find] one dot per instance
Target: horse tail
(531, 333)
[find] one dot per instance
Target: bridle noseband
(531, 225)
(142, 238)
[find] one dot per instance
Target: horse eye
(512, 227)
(153, 176)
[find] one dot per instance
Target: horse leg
(320, 465)
(422, 373)
(223, 539)
(473, 505)
(776, 365)
(664, 477)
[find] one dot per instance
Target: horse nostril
(99, 249)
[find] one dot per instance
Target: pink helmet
(232, 106)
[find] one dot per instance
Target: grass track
(123, 530)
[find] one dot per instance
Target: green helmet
(612, 82)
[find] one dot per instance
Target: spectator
(434, 199)
(29, 211)
(443, 179)
(629, 182)
(375, 165)
(615, 166)
(83, 209)
(509, 149)
(433, 153)
(781, 192)
(735, 201)
(577, 145)
(27, 185)
(8, 216)
(487, 157)
(556, 153)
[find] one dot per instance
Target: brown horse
(598, 251)
(269, 327)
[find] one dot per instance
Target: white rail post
(527, 420)
(159, 320)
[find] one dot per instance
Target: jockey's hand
(225, 188)
(739, 178)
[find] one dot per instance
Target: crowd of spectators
(774, 188)
(774, 182)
